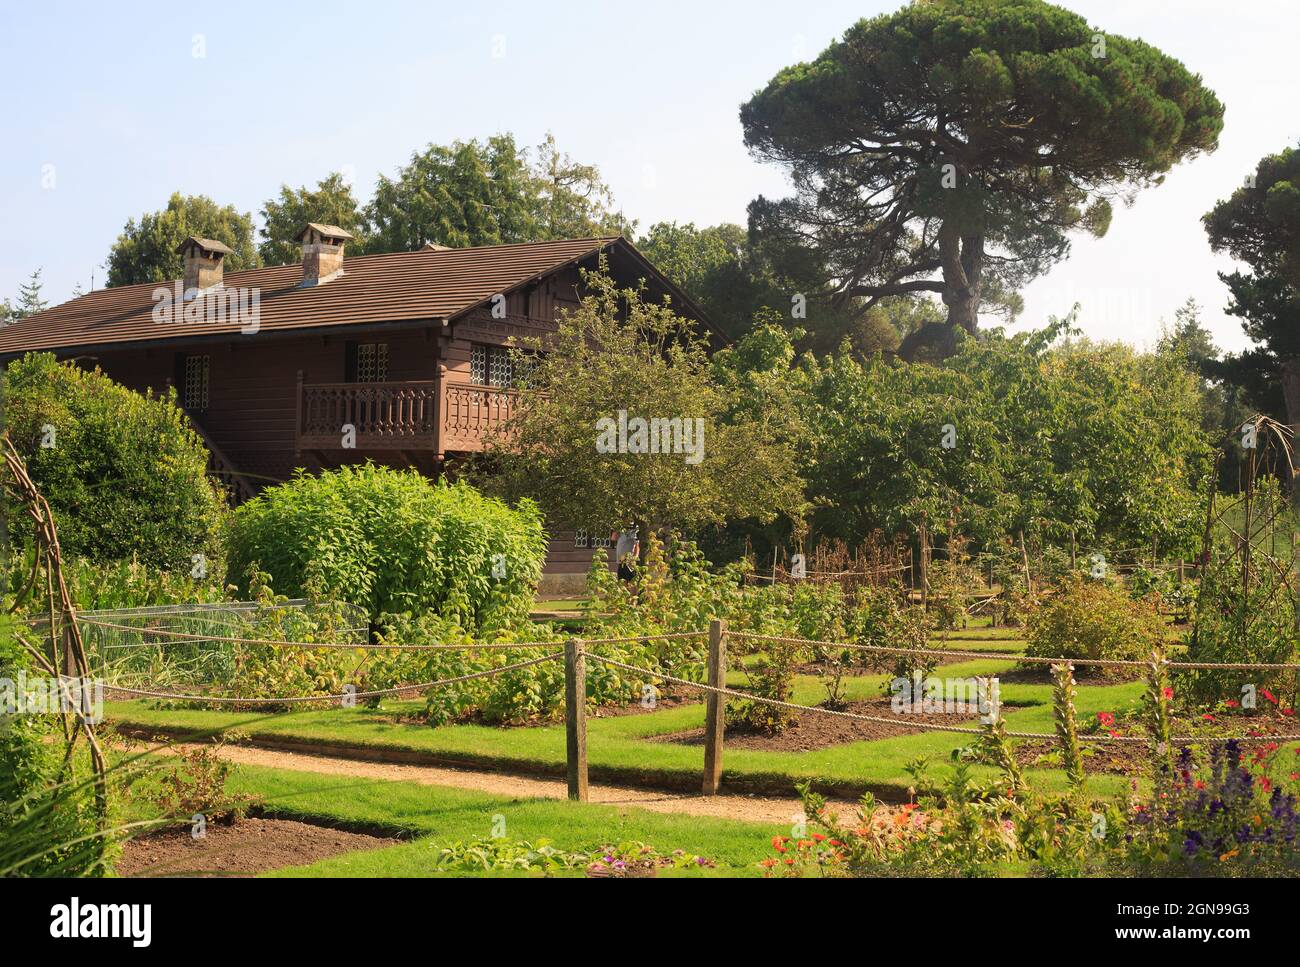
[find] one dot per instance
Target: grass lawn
(437, 816)
(620, 748)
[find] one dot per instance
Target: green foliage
(124, 474)
(1242, 621)
(393, 542)
(489, 193)
(146, 250)
(1066, 722)
(49, 822)
(1084, 441)
(771, 676)
(1091, 619)
(617, 353)
(1259, 225)
(118, 584)
(928, 140)
(330, 203)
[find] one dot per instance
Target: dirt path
(757, 809)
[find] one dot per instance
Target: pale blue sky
(113, 98)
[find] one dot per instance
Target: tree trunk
(962, 261)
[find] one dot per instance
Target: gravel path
(756, 809)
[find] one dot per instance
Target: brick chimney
(322, 252)
(203, 263)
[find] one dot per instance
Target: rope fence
(577, 651)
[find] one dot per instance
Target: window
(585, 537)
(489, 365)
(194, 385)
(367, 362)
(493, 366)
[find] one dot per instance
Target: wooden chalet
(408, 349)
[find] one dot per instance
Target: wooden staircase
(219, 466)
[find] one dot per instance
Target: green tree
(572, 201)
(125, 474)
(617, 359)
(331, 202)
(1259, 225)
(952, 147)
(146, 250)
(736, 283)
(29, 297)
(489, 193)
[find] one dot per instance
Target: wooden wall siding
(252, 408)
(253, 413)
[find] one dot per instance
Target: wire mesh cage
(198, 645)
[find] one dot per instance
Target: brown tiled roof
(403, 286)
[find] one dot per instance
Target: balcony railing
(381, 416)
(436, 415)
(471, 413)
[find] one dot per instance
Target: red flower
(1169, 693)
(1106, 718)
(1288, 711)
(1268, 695)
(1231, 703)
(1200, 783)
(1208, 717)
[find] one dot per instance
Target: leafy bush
(49, 823)
(119, 584)
(392, 542)
(1091, 619)
(125, 475)
(1242, 624)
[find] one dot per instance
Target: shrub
(1090, 619)
(392, 541)
(49, 822)
(124, 474)
(1254, 623)
(120, 584)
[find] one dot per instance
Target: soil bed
(816, 731)
(245, 848)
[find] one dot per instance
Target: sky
(112, 107)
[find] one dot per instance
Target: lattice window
(478, 364)
(194, 392)
(590, 537)
(372, 362)
(498, 366)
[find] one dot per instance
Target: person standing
(627, 550)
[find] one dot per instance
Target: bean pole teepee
(1259, 521)
(64, 656)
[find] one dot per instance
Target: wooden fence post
(715, 707)
(575, 718)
